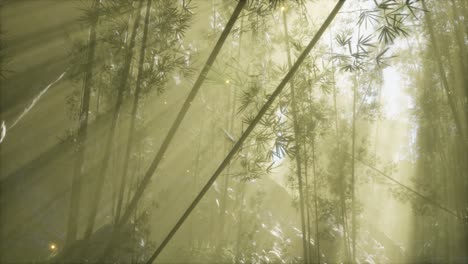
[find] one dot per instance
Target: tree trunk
(298, 150)
(339, 172)
(317, 236)
(353, 183)
(82, 131)
(114, 121)
(136, 100)
(447, 89)
(240, 225)
(196, 171)
(229, 125)
(307, 199)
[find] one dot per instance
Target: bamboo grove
(222, 131)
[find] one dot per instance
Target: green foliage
(333, 143)
(167, 56)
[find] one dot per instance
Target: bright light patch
(52, 246)
(392, 92)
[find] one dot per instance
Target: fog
(222, 131)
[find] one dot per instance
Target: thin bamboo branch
(425, 198)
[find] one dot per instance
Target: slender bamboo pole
(114, 121)
(338, 147)
(231, 107)
(241, 186)
(136, 100)
(418, 194)
(448, 91)
(83, 129)
(307, 199)
(353, 183)
(298, 151)
(317, 236)
(196, 171)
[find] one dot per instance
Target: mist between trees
(223, 131)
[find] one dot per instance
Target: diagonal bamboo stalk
(249, 130)
(423, 197)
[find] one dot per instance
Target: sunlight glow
(52, 246)
(336, 142)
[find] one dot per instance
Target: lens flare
(52, 246)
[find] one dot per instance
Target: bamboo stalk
(82, 131)
(425, 198)
(448, 91)
(114, 121)
(353, 183)
(298, 151)
(136, 101)
(341, 188)
(306, 178)
(317, 236)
